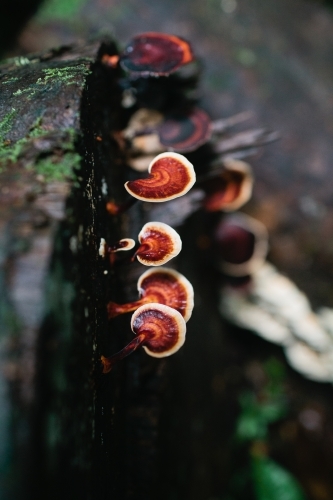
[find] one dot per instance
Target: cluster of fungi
(157, 134)
(166, 296)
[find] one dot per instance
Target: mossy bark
(80, 430)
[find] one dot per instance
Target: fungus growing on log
(159, 329)
(163, 286)
(171, 176)
(159, 243)
(185, 132)
(121, 246)
(155, 54)
(230, 189)
(241, 244)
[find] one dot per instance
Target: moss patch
(6, 124)
(64, 75)
(58, 168)
(57, 161)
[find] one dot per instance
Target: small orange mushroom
(163, 286)
(171, 176)
(155, 54)
(159, 329)
(159, 243)
(110, 61)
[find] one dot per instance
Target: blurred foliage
(260, 410)
(256, 475)
(59, 10)
(273, 482)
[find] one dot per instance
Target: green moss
(65, 75)
(10, 80)
(21, 61)
(6, 124)
(52, 168)
(25, 91)
(57, 164)
(11, 152)
(60, 9)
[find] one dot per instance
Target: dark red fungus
(155, 54)
(171, 175)
(241, 244)
(159, 329)
(163, 286)
(159, 243)
(185, 132)
(230, 189)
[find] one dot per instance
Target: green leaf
(273, 482)
(256, 415)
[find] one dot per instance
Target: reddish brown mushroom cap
(241, 243)
(170, 287)
(158, 328)
(185, 132)
(155, 54)
(231, 189)
(159, 244)
(171, 175)
(163, 286)
(165, 328)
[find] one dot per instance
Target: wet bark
(69, 430)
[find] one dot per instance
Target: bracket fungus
(185, 132)
(241, 244)
(121, 246)
(155, 54)
(159, 329)
(163, 286)
(159, 243)
(230, 189)
(171, 176)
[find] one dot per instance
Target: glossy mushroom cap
(165, 326)
(171, 176)
(158, 328)
(159, 243)
(163, 286)
(229, 190)
(155, 54)
(241, 244)
(184, 132)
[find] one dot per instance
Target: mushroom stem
(108, 363)
(115, 309)
(122, 245)
(145, 247)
